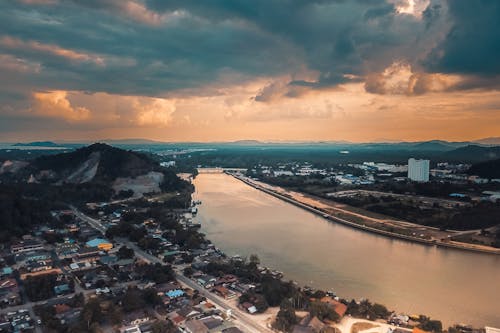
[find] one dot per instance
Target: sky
(271, 70)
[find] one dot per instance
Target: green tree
(286, 318)
(163, 326)
(91, 313)
(323, 311)
(125, 253)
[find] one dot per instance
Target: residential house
(249, 307)
(26, 246)
(195, 326)
(224, 292)
(338, 307)
(137, 318)
(88, 254)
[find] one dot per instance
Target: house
(9, 292)
(100, 243)
(79, 266)
(232, 330)
(211, 322)
(249, 307)
(131, 329)
(226, 279)
(108, 260)
(174, 293)
(136, 318)
(188, 312)
(8, 285)
(224, 292)
(206, 307)
(206, 281)
(66, 250)
(312, 325)
(338, 307)
(62, 289)
(195, 326)
(26, 246)
(489, 329)
(69, 316)
(175, 318)
(61, 308)
(89, 254)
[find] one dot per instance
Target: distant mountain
(246, 142)
(489, 141)
(488, 169)
(132, 141)
(473, 153)
(436, 145)
(37, 144)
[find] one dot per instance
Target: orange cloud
(55, 104)
(153, 111)
(18, 44)
(400, 79)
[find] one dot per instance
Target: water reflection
(451, 285)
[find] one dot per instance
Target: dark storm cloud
(159, 47)
(472, 46)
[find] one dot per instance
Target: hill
(37, 144)
(472, 153)
(98, 169)
(435, 145)
(489, 141)
(97, 162)
(488, 169)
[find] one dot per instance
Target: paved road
(92, 222)
(244, 319)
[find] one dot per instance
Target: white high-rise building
(418, 170)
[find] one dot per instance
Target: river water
(454, 286)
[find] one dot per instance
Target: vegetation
(125, 253)
(323, 311)
(429, 325)
(40, 287)
(365, 309)
(18, 215)
(488, 169)
(157, 273)
(286, 318)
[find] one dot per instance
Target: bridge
(220, 170)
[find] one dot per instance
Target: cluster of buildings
(17, 321)
(83, 261)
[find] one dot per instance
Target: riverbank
(327, 215)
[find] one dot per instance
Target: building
(491, 329)
(418, 170)
(100, 243)
(26, 246)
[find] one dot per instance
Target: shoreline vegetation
(325, 214)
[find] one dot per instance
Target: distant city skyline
(269, 70)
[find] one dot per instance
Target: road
(245, 320)
(92, 222)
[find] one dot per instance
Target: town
(132, 265)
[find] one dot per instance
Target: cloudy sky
(219, 70)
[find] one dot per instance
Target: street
(244, 319)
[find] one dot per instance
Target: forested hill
(488, 169)
(99, 160)
(98, 172)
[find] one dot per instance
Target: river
(454, 286)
